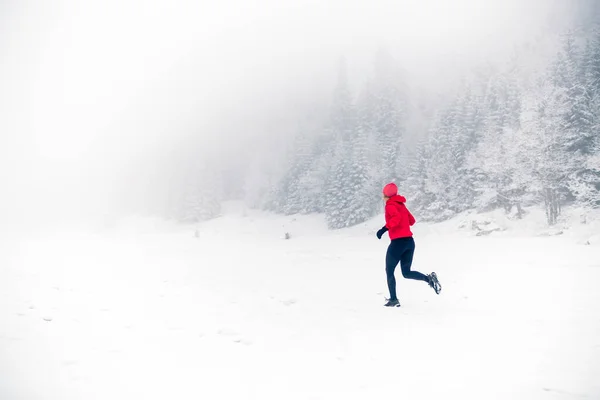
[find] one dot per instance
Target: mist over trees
(509, 136)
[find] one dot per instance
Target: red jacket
(398, 219)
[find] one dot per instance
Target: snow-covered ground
(228, 309)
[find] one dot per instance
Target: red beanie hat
(390, 190)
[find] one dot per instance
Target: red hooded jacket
(398, 219)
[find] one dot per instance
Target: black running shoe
(392, 303)
(434, 283)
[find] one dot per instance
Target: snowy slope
(229, 309)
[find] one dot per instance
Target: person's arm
(381, 232)
(392, 216)
(411, 219)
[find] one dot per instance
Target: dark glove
(381, 232)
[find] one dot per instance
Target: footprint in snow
(227, 332)
(289, 302)
(237, 339)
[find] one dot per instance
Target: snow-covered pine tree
(572, 103)
(415, 184)
(505, 140)
(363, 177)
(287, 196)
(201, 195)
(492, 159)
(387, 115)
(586, 184)
(463, 138)
(342, 127)
(261, 179)
(312, 182)
(591, 61)
(438, 168)
(449, 179)
(578, 117)
(545, 148)
(295, 199)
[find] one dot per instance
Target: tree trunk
(519, 211)
(552, 205)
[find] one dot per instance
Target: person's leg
(406, 263)
(391, 261)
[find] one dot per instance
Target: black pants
(401, 250)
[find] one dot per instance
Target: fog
(100, 101)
